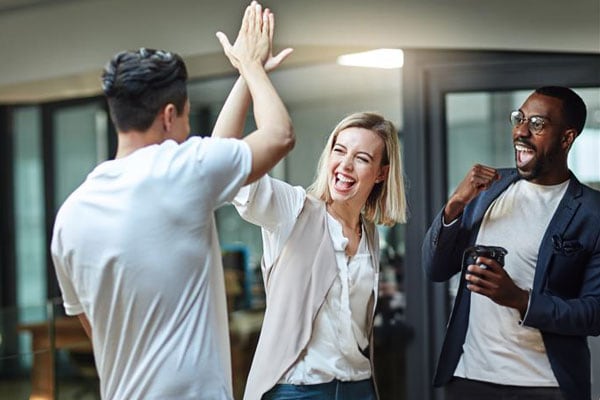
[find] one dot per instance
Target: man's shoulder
(74, 199)
(590, 198)
(220, 150)
(209, 141)
(592, 192)
(584, 190)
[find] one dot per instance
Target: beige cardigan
(296, 287)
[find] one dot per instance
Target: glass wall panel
(30, 238)
(79, 134)
(80, 143)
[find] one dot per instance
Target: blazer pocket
(565, 247)
(565, 272)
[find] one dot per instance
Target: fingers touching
(255, 39)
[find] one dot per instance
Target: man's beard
(543, 164)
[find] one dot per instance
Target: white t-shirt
(497, 347)
(135, 248)
(339, 330)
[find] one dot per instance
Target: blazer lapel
(558, 224)
(508, 177)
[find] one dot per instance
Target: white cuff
(446, 225)
(526, 311)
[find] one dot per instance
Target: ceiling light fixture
(379, 58)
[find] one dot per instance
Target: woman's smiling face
(355, 165)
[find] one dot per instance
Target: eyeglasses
(535, 124)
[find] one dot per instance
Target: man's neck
(130, 141)
(554, 178)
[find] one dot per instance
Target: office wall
(73, 39)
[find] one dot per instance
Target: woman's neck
(345, 215)
(351, 224)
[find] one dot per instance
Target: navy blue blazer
(565, 299)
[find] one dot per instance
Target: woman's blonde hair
(386, 204)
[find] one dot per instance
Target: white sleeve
(69, 295)
(225, 166)
(270, 203)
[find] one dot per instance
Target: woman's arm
(269, 203)
(231, 120)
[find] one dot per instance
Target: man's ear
(169, 112)
(568, 138)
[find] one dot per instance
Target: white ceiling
(56, 48)
(14, 5)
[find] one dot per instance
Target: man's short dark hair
(138, 84)
(573, 107)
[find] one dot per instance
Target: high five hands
(254, 42)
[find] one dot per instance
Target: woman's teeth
(342, 178)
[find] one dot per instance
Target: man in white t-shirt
(135, 246)
(519, 331)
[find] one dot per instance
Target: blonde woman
(321, 264)
(321, 257)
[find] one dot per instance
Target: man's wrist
(251, 65)
(523, 304)
(453, 210)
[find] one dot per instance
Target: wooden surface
(68, 334)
